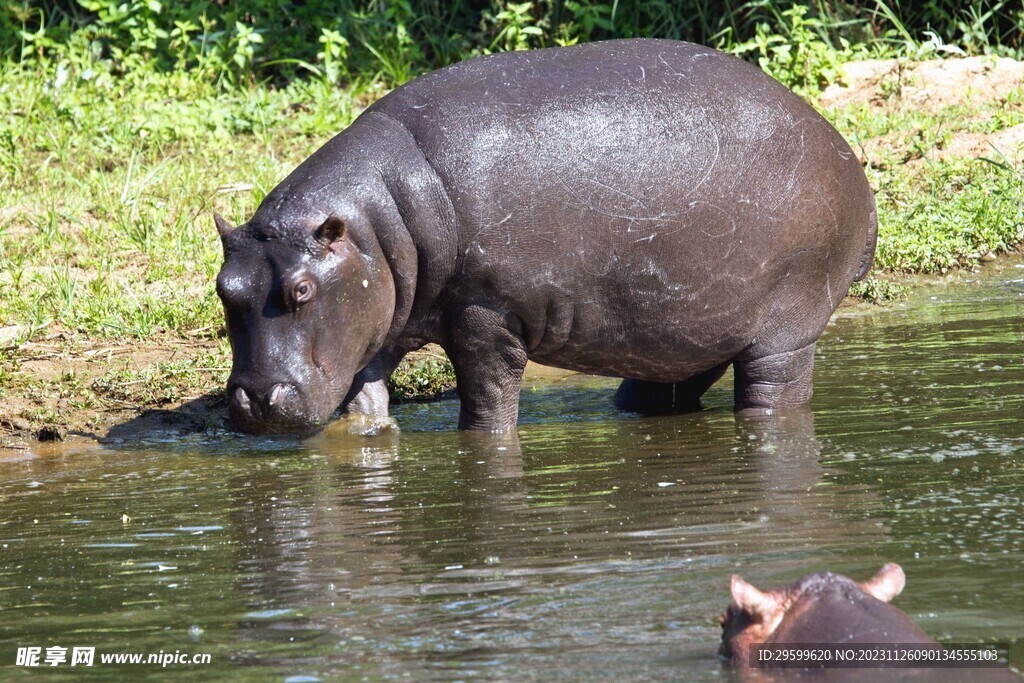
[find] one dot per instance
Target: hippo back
(847, 617)
(731, 208)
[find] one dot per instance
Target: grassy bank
(110, 177)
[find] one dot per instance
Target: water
(597, 548)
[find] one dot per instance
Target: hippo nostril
(278, 409)
(241, 399)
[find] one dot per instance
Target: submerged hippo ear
(887, 583)
(760, 606)
(330, 231)
(223, 227)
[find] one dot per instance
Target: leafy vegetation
(424, 375)
(949, 215)
(127, 122)
(247, 41)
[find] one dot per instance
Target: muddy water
(598, 547)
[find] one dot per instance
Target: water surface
(598, 547)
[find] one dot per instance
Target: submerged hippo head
(820, 608)
(307, 306)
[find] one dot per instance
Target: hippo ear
(752, 601)
(223, 227)
(330, 231)
(886, 584)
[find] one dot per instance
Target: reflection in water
(495, 549)
(595, 544)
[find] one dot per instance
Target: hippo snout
(279, 409)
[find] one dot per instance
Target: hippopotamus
(822, 608)
(825, 609)
(651, 210)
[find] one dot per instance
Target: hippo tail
(869, 249)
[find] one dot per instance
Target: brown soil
(71, 391)
(930, 87)
(65, 388)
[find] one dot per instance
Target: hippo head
(307, 306)
(755, 618)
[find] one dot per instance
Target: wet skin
(651, 210)
(822, 608)
(830, 609)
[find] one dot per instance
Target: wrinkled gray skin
(645, 209)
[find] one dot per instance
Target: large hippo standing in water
(645, 209)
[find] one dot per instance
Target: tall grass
(245, 41)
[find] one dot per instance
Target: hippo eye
(303, 291)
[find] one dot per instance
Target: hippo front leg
(369, 397)
(489, 359)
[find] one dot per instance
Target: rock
(51, 433)
(9, 333)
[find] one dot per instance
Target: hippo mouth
(281, 409)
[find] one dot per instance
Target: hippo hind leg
(661, 398)
(780, 380)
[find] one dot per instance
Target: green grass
(421, 377)
(162, 383)
(938, 211)
(109, 186)
(951, 215)
(879, 290)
